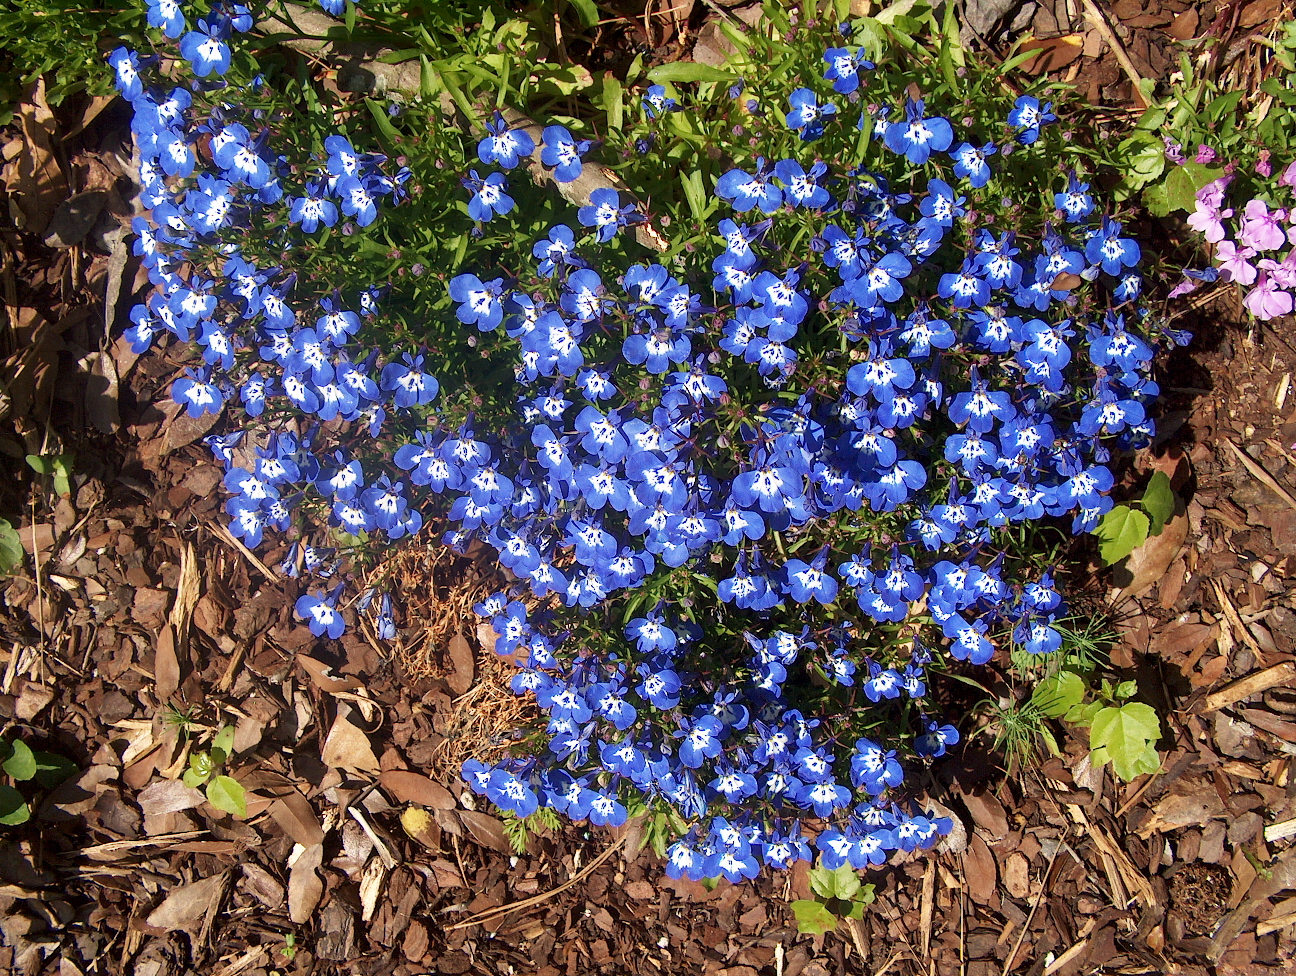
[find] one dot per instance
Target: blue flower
(1028, 117)
(745, 190)
(563, 152)
(970, 162)
(605, 213)
(488, 196)
(504, 146)
(917, 137)
(807, 115)
(205, 47)
(655, 101)
(320, 612)
(167, 15)
(197, 393)
(479, 302)
(1107, 248)
(844, 67)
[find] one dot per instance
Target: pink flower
(1205, 154)
(1207, 220)
(1267, 300)
(1289, 177)
(1260, 227)
(1234, 263)
(1212, 194)
(1173, 151)
(1283, 274)
(1264, 167)
(1184, 287)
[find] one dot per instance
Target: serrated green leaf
(13, 808)
(21, 764)
(1083, 715)
(812, 917)
(1126, 737)
(1058, 694)
(226, 793)
(11, 548)
(689, 71)
(1159, 501)
(1120, 532)
(1124, 690)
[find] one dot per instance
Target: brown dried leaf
(416, 788)
(166, 665)
(988, 813)
(1054, 53)
(101, 394)
(168, 796)
(323, 677)
(304, 885)
(1148, 563)
(293, 813)
(185, 908)
(1183, 810)
(979, 870)
(263, 886)
(486, 830)
(347, 747)
(461, 656)
(1016, 875)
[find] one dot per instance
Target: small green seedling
(225, 793)
(518, 829)
(22, 764)
(1125, 528)
(11, 548)
(1121, 732)
(56, 466)
(838, 894)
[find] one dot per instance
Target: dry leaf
(185, 907)
(486, 830)
(1016, 875)
(293, 813)
(101, 393)
(168, 796)
(304, 885)
(979, 870)
(415, 788)
(1054, 53)
(1148, 563)
(347, 747)
(322, 676)
(166, 665)
(1183, 810)
(988, 814)
(461, 656)
(263, 886)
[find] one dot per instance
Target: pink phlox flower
(1260, 227)
(1212, 194)
(1283, 274)
(1288, 177)
(1208, 219)
(1205, 154)
(1173, 151)
(1234, 262)
(1266, 300)
(1264, 167)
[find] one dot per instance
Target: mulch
(148, 629)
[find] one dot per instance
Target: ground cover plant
(758, 486)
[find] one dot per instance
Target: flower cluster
(816, 437)
(1255, 243)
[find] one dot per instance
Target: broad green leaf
(1120, 532)
(201, 763)
(1126, 737)
(841, 882)
(11, 549)
(13, 808)
(586, 11)
(224, 741)
(1058, 694)
(1124, 690)
(1159, 501)
(812, 918)
(613, 103)
(52, 769)
(1157, 200)
(21, 764)
(1083, 714)
(192, 779)
(688, 71)
(227, 794)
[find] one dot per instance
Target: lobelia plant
(752, 488)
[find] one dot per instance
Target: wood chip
(1252, 684)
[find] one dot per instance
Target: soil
(148, 628)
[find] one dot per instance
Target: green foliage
(225, 793)
(22, 764)
(11, 548)
(519, 829)
(838, 894)
(57, 467)
(1124, 528)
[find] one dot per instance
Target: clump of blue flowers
(749, 494)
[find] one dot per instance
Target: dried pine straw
(437, 589)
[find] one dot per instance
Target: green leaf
(586, 11)
(689, 71)
(842, 882)
(613, 103)
(224, 741)
(1058, 694)
(1126, 737)
(227, 794)
(388, 132)
(192, 779)
(13, 808)
(52, 769)
(11, 549)
(1159, 501)
(21, 764)
(1083, 714)
(812, 918)
(1121, 531)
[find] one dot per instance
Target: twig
(1095, 17)
(1261, 475)
(502, 910)
(1252, 684)
(252, 557)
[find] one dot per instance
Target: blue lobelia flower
(563, 152)
(488, 195)
(802, 189)
(745, 190)
(205, 47)
(1028, 118)
(917, 137)
(844, 67)
(1107, 248)
(167, 15)
(1076, 202)
(320, 612)
(656, 102)
(479, 302)
(606, 214)
(504, 146)
(970, 162)
(807, 115)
